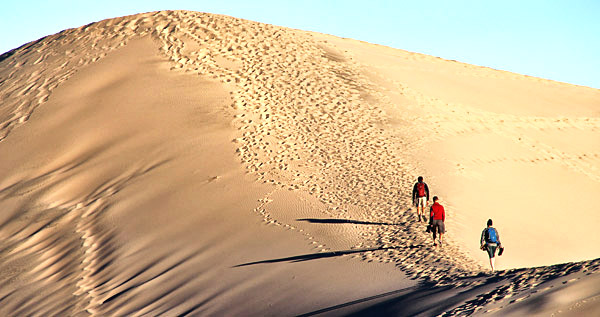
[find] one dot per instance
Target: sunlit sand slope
(183, 163)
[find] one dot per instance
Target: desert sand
(181, 163)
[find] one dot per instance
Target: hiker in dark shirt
(490, 242)
(420, 197)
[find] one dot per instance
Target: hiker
(437, 216)
(490, 242)
(420, 196)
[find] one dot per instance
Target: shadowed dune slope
(180, 163)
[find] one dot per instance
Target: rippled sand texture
(183, 163)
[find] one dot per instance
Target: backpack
(421, 190)
(491, 235)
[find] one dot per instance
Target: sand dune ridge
(326, 138)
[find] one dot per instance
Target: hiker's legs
(491, 249)
(420, 208)
(421, 201)
(438, 230)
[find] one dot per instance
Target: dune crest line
(313, 124)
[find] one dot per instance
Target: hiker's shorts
(491, 249)
(438, 226)
(422, 201)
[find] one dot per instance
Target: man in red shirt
(437, 217)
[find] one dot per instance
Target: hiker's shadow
(321, 255)
(345, 221)
(315, 256)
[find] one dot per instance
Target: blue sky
(554, 39)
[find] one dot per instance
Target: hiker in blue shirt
(490, 242)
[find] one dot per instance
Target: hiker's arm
(427, 191)
(482, 241)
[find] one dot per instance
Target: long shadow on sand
(344, 221)
(398, 292)
(315, 256)
(465, 295)
(425, 299)
(411, 301)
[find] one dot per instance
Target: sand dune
(180, 163)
